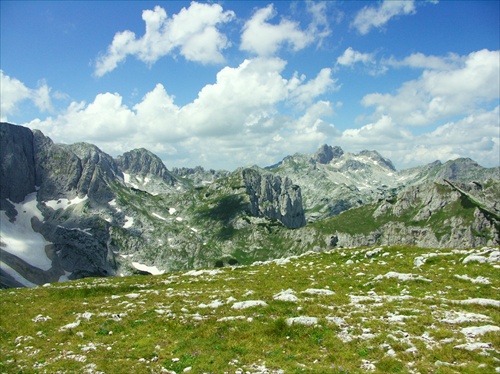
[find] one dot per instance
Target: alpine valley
(73, 211)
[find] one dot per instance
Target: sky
(238, 83)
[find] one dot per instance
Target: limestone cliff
(274, 197)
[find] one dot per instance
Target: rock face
(274, 197)
(66, 171)
(17, 167)
(98, 172)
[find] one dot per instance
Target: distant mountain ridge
(88, 214)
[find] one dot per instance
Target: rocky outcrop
(17, 166)
(72, 170)
(98, 172)
(431, 215)
(274, 197)
(58, 170)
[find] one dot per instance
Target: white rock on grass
(319, 291)
(132, 295)
(474, 258)
(474, 331)
(303, 320)
(195, 273)
(230, 318)
(478, 301)
(248, 304)
(214, 304)
(367, 365)
(41, 318)
(478, 279)
(402, 277)
(459, 317)
(70, 326)
(286, 295)
(473, 346)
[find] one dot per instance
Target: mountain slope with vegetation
(72, 211)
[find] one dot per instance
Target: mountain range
(73, 211)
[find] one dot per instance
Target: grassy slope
(143, 324)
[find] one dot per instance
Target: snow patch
(150, 269)
(14, 274)
(160, 217)
(129, 222)
(20, 239)
(65, 203)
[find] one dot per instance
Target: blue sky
(230, 83)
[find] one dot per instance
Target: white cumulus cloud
(193, 32)
(351, 57)
(264, 38)
(377, 16)
(13, 92)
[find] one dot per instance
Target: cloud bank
(239, 111)
(239, 120)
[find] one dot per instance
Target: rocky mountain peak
(377, 157)
(327, 153)
(142, 162)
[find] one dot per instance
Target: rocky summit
(73, 211)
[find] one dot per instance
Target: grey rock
(274, 197)
(17, 167)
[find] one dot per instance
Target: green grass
(143, 324)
